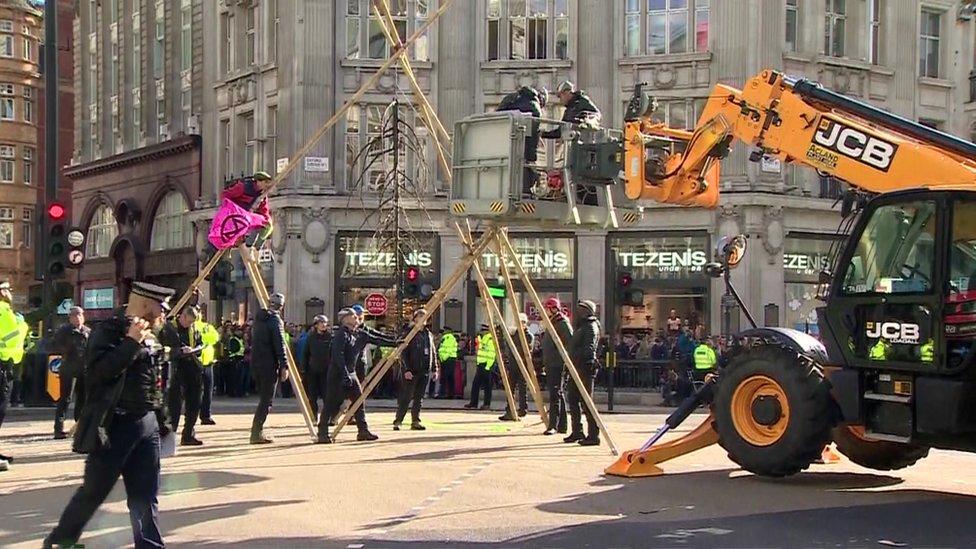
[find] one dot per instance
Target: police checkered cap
(154, 292)
(587, 304)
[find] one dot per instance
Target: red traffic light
(56, 211)
(625, 280)
(413, 274)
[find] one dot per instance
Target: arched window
(171, 230)
(102, 231)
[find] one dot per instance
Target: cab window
(896, 252)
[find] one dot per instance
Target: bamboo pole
(516, 310)
(522, 366)
(261, 292)
(435, 302)
(590, 405)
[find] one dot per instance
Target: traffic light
(56, 243)
(626, 293)
(411, 281)
(221, 285)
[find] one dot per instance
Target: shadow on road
(28, 515)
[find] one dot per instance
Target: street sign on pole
(376, 304)
(65, 306)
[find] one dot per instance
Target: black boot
(257, 434)
(366, 436)
(590, 441)
(574, 437)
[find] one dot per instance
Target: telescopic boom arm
(795, 121)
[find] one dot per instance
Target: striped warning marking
(527, 207)
(497, 207)
(631, 217)
(458, 207)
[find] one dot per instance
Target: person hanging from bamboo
(235, 221)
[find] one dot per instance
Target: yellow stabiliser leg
(644, 463)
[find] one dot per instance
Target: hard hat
(320, 318)
(262, 175)
(566, 86)
(588, 305)
(276, 302)
(358, 309)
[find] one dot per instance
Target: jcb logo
(894, 332)
(855, 144)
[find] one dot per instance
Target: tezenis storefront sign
(362, 256)
(543, 258)
(660, 257)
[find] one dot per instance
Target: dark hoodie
(525, 100)
(267, 345)
(585, 344)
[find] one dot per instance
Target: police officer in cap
(186, 382)
(343, 383)
(70, 341)
(122, 420)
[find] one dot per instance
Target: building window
(28, 49)
(102, 231)
(408, 16)
(6, 46)
(929, 50)
(273, 21)
(28, 104)
(27, 228)
(159, 44)
(6, 235)
(93, 68)
(249, 36)
(226, 33)
(186, 35)
(657, 27)
(527, 29)
(836, 23)
(679, 113)
(247, 137)
(225, 144)
(874, 31)
(792, 29)
(271, 141)
(6, 26)
(171, 230)
(364, 124)
(28, 165)
(6, 108)
(6, 213)
(7, 159)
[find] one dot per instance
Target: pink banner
(231, 223)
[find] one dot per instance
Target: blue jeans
(133, 454)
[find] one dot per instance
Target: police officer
(13, 332)
(70, 341)
(121, 425)
(583, 349)
(316, 356)
(518, 382)
(186, 379)
(552, 361)
(209, 338)
(706, 360)
(343, 383)
(484, 361)
(268, 362)
(448, 353)
(234, 349)
(419, 363)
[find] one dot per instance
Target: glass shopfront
(549, 260)
(366, 266)
(669, 270)
(804, 257)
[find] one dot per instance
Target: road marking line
(355, 546)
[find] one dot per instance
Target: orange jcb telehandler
(894, 371)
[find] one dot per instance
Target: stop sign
(376, 304)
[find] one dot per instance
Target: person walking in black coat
(419, 362)
(552, 361)
(122, 420)
(316, 356)
(268, 362)
(518, 383)
(583, 349)
(70, 342)
(343, 383)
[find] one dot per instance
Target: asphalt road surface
(470, 480)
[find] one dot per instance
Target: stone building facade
(280, 69)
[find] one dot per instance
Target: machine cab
(904, 293)
(503, 171)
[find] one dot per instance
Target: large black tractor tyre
(773, 411)
(880, 455)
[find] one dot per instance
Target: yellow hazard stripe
(527, 207)
(458, 207)
(497, 207)
(631, 217)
